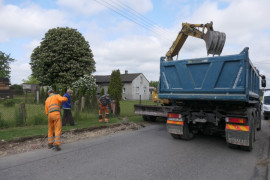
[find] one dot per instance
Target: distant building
(5, 91)
(135, 85)
(30, 88)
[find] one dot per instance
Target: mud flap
(238, 137)
(215, 41)
(175, 129)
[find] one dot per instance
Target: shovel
(215, 41)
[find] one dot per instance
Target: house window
(141, 79)
(137, 90)
(124, 90)
(144, 90)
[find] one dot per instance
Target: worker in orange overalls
(52, 109)
(104, 106)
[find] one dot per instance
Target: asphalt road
(149, 153)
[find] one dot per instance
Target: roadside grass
(82, 120)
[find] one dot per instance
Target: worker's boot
(50, 146)
(56, 148)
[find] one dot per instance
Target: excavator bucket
(215, 41)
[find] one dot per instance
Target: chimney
(126, 71)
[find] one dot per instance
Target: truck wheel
(259, 119)
(149, 118)
(145, 118)
(187, 135)
(233, 146)
(176, 136)
(152, 118)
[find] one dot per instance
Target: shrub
(3, 124)
(19, 117)
(42, 95)
(39, 120)
(17, 89)
(102, 92)
(9, 103)
(77, 116)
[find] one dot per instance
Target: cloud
(132, 53)
(19, 71)
(30, 21)
(241, 27)
(118, 43)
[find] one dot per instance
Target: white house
(135, 85)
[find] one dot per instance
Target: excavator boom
(214, 40)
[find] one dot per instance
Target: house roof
(5, 81)
(126, 78)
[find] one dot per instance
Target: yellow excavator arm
(214, 40)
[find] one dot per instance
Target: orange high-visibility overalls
(101, 111)
(52, 109)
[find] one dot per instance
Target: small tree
(57, 89)
(153, 84)
(31, 80)
(80, 94)
(115, 88)
(94, 103)
(63, 91)
(17, 89)
(102, 92)
(42, 94)
(73, 97)
(5, 60)
(87, 82)
(87, 99)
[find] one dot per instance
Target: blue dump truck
(213, 95)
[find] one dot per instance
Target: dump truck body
(220, 78)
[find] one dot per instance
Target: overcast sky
(133, 34)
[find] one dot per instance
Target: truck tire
(145, 118)
(187, 135)
(152, 118)
(259, 120)
(176, 136)
(149, 118)
(233, 146)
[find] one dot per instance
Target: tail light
(174, 117)
(236, 120)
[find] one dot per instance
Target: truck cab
(266, 105)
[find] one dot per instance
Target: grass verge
(85, 121)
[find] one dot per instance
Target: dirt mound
(37, 142)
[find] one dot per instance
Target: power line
(116, 10)
(140, 16)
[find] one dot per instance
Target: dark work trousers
(67, 116)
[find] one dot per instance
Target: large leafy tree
(62, 58)
(5, 61)
(115, 88)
